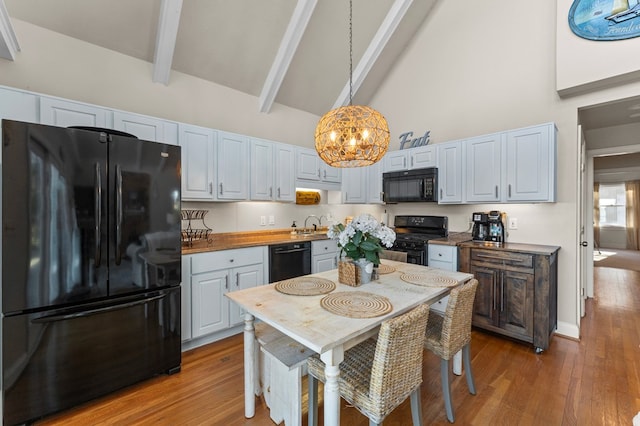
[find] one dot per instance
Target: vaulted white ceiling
(293, 52)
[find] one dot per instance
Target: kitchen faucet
(315, 227)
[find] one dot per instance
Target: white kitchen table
(303, 319)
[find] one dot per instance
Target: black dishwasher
(289, 260)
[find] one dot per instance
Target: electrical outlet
(272, 220)
(513, 223)
(263, 220)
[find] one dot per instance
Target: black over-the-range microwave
(419, 185)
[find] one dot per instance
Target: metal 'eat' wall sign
(605, 19)
(406, 143)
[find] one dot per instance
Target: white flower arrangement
(362, 238)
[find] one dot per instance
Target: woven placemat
(385, 269)
(305, 286)
(429, 280)
(356, 304)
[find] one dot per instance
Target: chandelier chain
(351, 135)
(350, 52)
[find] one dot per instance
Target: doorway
(607, 130)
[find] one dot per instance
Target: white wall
(245, 216)
(484, 67)
(53, 64)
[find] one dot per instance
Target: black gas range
(414, 232)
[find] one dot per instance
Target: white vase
(366, 268)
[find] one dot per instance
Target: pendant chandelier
(352, 135)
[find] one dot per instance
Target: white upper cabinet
(308, 164)
(424, 156)
(18, 105)
(354, 185)
(261, 153)
(313, 172)
(516, 166)
(374, 183)
(362, 185)
(483, 168)
(146, 128)
(531, 164)
(198, 144)
(285, 188)
(450, 172)
(58, 112)
(232, 163)
(395, 161)
(412, 158)
(272, 171)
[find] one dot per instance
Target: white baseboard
(210, 338)
(568, 330)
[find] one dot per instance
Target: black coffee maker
(488, 226)
(480, 230)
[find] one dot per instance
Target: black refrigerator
(90, 265)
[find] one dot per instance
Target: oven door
(417, 257)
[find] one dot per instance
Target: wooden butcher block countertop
(233, 240)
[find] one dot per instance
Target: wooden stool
(283, 363)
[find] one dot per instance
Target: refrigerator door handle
(111, 308)
(119, 214)
(97, 213)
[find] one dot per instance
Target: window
(612, 204)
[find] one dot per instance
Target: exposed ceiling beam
(292, 36)
(166, 40)
(8, 42)
(370, 56)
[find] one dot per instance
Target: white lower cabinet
(211, 276)
(442, 257)
(324, 255)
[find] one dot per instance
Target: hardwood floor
(592, 382)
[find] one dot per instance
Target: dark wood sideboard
(517, 294)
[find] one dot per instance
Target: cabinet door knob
(220, 188)
(210, 187)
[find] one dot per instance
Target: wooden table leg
(332, 360)
(250, 362)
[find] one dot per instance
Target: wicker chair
(449, 334)
(378, 375)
